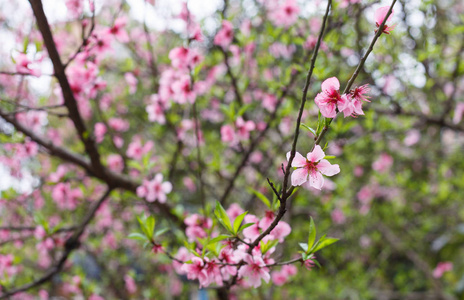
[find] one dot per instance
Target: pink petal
(331, 83)
(299, 176)
(316, 180)
(167, 187)
(328, 110)
(298, 161)
(316, 155)
(380, 14)
(326, 168)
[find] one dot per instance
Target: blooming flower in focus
(380, 15)
(155, 189)
(312, 167)
(330, 99)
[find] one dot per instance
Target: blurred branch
(71, 244)
(422, 265)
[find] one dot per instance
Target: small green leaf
(309, 128)
(324, 243)
(217, 239)
(137, 236)
(25, 44)
(268, 245)
(304, 246)
(161, 231)
(312, 234)
(222, 216)
(244, 226)
(238, 221)
(151, 225)
(329, 157)
(260, 197)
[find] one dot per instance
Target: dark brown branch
(69, 100)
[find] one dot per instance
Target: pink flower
(183, 91)
(383, 163)
(330, 99)
(309, 263)
(22, 66)
(196, 270)
(118, 30)
(356, 97)
(234, 211)
(196, 226)
(380, 15)
(254, 270)
(136, 150)
(155, 189)
(115, 162)
(227, 256)
(281, 230)
(441, 268)
(119, 125)
(279, 278)
(312, 167)
(65, 197)
(345, 3)
(458, 112)
(338, 217)
(131, 81)
(99, 131)
(75, 8)
(244, 128)
(227, 134)
(290, 270)
(285, 14)
(225, 35)
(131, 287)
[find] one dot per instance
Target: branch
(358, 68)
(71, 244)
(69, 100)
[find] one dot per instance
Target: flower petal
(326, 168)
(316, 155)
(331, 83)
(299, 176)
(316, 180)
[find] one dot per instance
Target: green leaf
(260, 197)
(238, 221)
(245, 226)
(243, 109)
(304, 246)
(25, 44)
(137, 236)
(329, 157)
(161, 231)
(217, 239)
(324, 243)
(151, 225)
(309, 128)
(312, 233)
(222, 216)
(268, 245)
